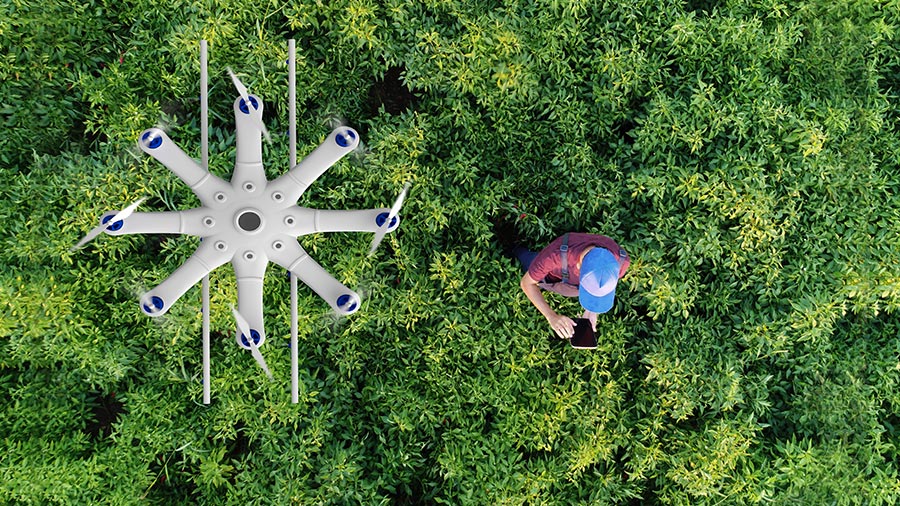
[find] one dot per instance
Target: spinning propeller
(388, 220)
(251, 103)
(254, 349)
(113, 224)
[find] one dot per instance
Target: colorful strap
(564, 252)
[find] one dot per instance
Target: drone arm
(248, 166)
(181, 222)
(311, 221)
(157, 144)
(295, 259)
(249, 274)
(205, 259)
(338, 144)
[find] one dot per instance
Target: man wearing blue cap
(588, 266)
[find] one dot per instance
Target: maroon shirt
(546, 268)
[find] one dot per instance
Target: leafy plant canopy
(745, 153)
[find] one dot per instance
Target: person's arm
(562, 325)
(592, 317)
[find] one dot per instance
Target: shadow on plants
(80, 138)
(505, 233)
(391, 93)
(556, 342)
(535, 455)
(608, 139)
(169, 487)
(416, 495)
(420, 490)
(105, 411)
(778, 425)
(622, 129)
(240, 445)
(489, 415)
(702, 6)
(154, 244)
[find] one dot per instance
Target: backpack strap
(564, 253)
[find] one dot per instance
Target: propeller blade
(395, 210)
(242, 91)
(239, 85)
(128, 211)
(89, 237)
(121, 215)
(254, 350)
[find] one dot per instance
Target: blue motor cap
(156, 305)
(152, 143)
(343, 300)
(253, 335)
(113, 227)
(243, 105)
(345, 138)
(381, 218)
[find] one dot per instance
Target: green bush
(745, 153)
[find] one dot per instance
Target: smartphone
(584, 337)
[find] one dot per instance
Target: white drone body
(250, 221)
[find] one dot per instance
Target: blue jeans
(525, 256)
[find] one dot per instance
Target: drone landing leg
(204, 164)
(292, 118)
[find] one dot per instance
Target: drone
(249, 220)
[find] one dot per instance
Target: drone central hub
(249, 220)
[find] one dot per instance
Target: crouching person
(587, 266)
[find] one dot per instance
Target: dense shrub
(744, 152)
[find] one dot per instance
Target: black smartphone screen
(584, 337)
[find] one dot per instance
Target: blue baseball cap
(598, 279)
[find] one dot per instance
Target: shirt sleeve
(544, 263)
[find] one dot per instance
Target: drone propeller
(119, 216)
(245, 329)
(382, 230)
(242, 90)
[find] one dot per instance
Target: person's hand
(562, 325)
(592, 316)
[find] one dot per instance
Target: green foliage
(744, 152)
(47, 47)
